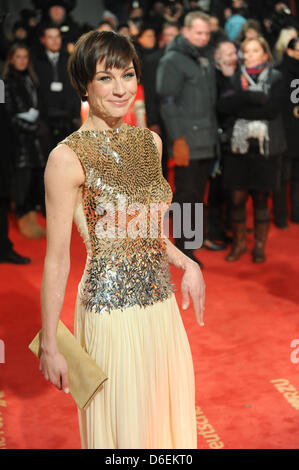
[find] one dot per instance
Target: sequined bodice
(124, 199)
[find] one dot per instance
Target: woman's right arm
(63, 177)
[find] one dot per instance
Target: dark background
(86, 11)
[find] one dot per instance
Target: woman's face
(254, 54)
(251, 33)
(148, 39)
(21, 33)
(111, 92)
(20, 59)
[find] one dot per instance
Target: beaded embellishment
(122, 271)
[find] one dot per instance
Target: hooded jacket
(187, 88)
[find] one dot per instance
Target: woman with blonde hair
(251, 107)
(286, 34)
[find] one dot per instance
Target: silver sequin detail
(141, 280)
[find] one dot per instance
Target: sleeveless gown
(126, 315)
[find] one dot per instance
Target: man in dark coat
(187, 88)
(60, 104)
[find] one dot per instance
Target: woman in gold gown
(126, 316)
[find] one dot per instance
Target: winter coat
(187, 88)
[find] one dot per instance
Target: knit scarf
(254, 78)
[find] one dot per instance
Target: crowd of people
(219, 82)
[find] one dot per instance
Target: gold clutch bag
(85, 376)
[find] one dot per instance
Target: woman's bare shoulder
(63, 159)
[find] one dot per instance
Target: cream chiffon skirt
(148, 401)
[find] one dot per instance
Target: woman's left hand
(193, 285)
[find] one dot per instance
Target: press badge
(56, 86)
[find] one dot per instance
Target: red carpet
(247, 387)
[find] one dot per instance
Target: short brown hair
(115, 49)
(195, 15)
(263, 43)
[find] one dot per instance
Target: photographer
(174, 12)
(281, 18)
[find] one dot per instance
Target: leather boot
(239, 241)
(39, 229)
(27, 229)
(261, 230)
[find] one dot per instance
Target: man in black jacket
(60, 104)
